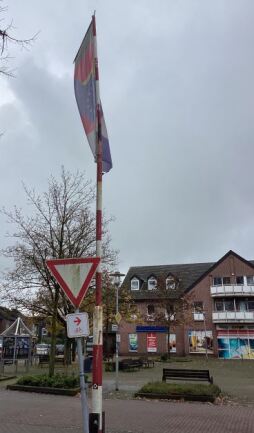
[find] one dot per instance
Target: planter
(44, 390)
(187, 397)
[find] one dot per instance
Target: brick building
(220, 317)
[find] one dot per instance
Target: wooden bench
(130, 364)
(181, 374)
(146, 362)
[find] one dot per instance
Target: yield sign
(74, 276)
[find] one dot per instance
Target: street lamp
(117, 282)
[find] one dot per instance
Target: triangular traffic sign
(74, 276)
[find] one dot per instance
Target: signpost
(77, 325)
(74, 276)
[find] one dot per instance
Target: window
(133, 342)
(198, 310)
(250, 280)
(170, 283)
(135, 284)
(219, 306)
(226, 281)
(229, 305)
(241, 305)
(150, 312)
(198, 307)
(251, 305)
(152, 283)
(150, 309)
(239, 280)
(217, 281)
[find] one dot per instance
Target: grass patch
(57, 381)
(166, 358)
(180, 389)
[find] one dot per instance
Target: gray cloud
(177, 90)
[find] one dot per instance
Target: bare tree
(61, 225)
(173, 309)
(127, 307)
(6, 38)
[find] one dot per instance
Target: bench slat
(181, 374)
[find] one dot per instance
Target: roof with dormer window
(187, 275)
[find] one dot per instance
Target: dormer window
(170, 283)
(152, 283)
(135, 284)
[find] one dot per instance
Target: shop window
(133, 342)
(135, 284)
(201, 342)
(239, 280)
(171, 342)
(217, 281)
(152, 283)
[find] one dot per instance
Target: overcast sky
(176, 81)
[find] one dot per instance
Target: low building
(217, 313)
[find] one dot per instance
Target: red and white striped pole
(96, 419)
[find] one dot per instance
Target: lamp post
(117, 282)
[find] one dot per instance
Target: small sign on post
(77, 325)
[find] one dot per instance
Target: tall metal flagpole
(96, 421)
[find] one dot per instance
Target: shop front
(235, 342)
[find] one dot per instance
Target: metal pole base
(94, 422)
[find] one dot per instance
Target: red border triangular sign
(74, 276)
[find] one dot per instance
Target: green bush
(164, 357)
(182, 389)
(57, 381)
(109, 366)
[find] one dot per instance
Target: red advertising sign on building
(151, 342)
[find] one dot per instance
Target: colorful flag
(85, 93)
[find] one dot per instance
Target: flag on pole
(85, 93)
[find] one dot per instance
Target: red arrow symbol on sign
(78, 321)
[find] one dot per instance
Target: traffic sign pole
(83, 386)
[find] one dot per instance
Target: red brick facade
(227, 311)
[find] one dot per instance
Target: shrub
(180, 389)
(164, 357)
(57, 381)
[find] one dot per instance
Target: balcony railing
(199, 316)
(236, 290)
(233, 316)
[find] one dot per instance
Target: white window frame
(169, 281)
(252, 282)
(153, 286)
(217, 285)
(135, 280)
